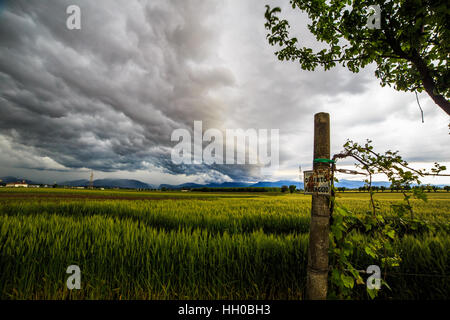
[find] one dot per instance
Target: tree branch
(428, 81)
(425, 74)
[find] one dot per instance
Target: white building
(18, 184)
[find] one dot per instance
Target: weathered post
(317, 273)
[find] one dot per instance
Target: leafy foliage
(410, 49)
(292, 188)
(383, 231)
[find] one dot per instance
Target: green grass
(174, 245)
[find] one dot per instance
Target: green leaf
(391, 234)
(372, 293)
(370, 252)
(348, 281)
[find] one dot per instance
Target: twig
(421, 111)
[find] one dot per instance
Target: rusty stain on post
(317, 273)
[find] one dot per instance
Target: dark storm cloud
(215, 172)
(107, 97)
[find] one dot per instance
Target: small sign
(318, 182)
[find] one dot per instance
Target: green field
(185, 245)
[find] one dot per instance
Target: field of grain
(175, 245)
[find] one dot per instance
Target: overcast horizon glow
(107, 97)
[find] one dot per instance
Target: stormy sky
(107, 97)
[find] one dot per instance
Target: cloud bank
(108, 96)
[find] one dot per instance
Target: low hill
(349, 184)
(110, 183)
(10, 179)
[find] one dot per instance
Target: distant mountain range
(110, 183)
(106, 183)
(277, 184)
(209, 185)
(350, 184)
(15, 179)
(136, 184)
